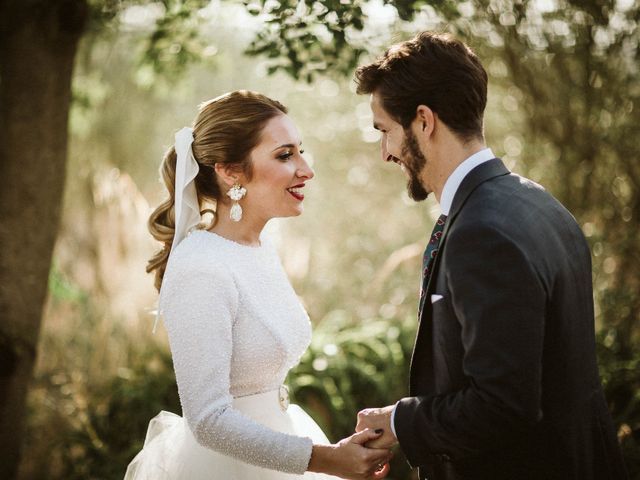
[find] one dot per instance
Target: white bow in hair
(187, 209)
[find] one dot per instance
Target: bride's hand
(350, 459)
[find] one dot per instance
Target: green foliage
(120, 412)
(173, 39)
(620, 373)
(305, 38)
(62, 289)
(176, 41)
(83, 426)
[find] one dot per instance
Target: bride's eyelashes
(286, 155)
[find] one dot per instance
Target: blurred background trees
(38, 44)
(563, 110)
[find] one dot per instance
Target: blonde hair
(225, 131)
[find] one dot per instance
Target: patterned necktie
(430, 254)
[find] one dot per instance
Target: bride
(234, 323)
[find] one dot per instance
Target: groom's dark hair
(431, 69)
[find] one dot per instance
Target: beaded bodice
(235, 328)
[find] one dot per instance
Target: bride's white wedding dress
(235, 329)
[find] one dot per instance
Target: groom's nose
(386, 156)
(384, 150)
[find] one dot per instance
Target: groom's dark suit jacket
(504, 382)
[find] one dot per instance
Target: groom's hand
(377, 419)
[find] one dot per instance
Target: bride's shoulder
(198, 252)
(196, 272)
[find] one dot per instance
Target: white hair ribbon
(186, 206)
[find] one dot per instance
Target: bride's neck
(247, 231)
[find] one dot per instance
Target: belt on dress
(283, 397)
(282, 392)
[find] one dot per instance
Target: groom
(504, 383)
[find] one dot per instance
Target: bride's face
(279, 174)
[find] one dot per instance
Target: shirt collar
(461, 171)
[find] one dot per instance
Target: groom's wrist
(392, 421)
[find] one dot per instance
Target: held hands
(377, 419)
(350, 459)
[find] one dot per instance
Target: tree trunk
(38, 41)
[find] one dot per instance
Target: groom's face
(400, 146)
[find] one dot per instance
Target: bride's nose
(304, 170)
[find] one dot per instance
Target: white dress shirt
(446, 200)
(455, 179)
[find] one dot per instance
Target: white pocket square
(435, 298)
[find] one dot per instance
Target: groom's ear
(425, 120)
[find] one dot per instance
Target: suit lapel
(477, 176)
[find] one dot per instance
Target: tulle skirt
(171, 452)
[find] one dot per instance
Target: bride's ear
(227, 175)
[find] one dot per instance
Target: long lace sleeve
(199, 302)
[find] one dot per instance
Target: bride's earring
(235, 193)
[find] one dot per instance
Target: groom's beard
(414, 161)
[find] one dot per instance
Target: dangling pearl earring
(235, 193)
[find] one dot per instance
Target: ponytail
(161, 223)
